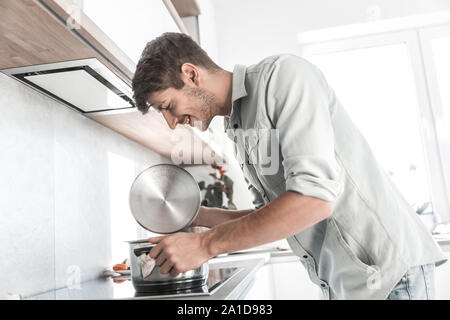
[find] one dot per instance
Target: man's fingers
(163, 253)
(174, 272)
(156, 239)
(155, 252)
(160, 259)
(166, 266)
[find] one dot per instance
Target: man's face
(190, 105)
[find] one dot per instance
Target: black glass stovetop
(216, 279)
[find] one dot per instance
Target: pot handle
(139, 251)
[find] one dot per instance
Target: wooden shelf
(34, 32)
(186, 8)
(152, 131)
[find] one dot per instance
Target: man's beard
(206, 104)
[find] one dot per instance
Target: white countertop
(105, 289)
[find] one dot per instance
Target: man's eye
(161, 108)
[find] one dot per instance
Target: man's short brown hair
(159, 67)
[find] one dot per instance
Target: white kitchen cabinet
(283, 281)
(131, 24)
(442, 280)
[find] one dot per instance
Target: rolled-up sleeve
(298, 106)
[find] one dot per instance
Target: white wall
(208, 31)
(209, 42)
(64, 183)
(250, 30)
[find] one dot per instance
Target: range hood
(87, 85)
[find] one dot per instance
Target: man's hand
(180, 252)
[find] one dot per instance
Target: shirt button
(305, 257)
(235, 126)
(403, 280)
(323, 285)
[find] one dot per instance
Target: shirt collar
(238, 83)
(238, 86)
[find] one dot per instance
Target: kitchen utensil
(164, 198)
(123, 272)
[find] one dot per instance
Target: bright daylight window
(441, 51)
(441, 54)
(436, 43)
(393, 83)
(376, 87)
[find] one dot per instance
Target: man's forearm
(211, 217)
(287, 215)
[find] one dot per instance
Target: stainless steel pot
(156, 281)
(163, 199)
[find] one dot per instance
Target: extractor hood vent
(86, 85)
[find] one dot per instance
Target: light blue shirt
(373, 235)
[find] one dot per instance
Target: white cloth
(147, 264)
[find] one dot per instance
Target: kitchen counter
(443, 240)
(105, 289)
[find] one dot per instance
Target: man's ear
(190, 73)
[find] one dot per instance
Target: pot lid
(164, 198)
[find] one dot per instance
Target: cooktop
(216, 279)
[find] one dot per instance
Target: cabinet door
(132, 23)
(442, 279)
(283, 281)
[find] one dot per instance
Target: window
(383, 81)
(441, 54)
(435, 45)
(374, 85)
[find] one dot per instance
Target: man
(353, 231)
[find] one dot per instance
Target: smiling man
(354, 232)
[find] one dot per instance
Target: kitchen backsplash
(63, 184)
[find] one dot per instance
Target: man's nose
(171, 120)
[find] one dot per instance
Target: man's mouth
(188, 121)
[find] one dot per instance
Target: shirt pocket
(346, 245)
